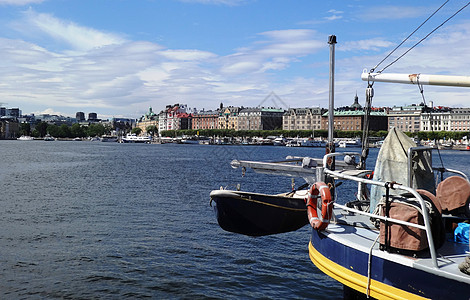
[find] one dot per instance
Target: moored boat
(109, 138)
(25, 138)
(257, 214)
(133, 138)
(394, 237)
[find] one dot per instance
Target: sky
(119, 57)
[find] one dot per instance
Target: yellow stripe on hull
(356, 281)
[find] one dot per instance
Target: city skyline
(119, 58)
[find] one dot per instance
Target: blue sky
(119, 57)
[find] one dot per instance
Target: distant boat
(350, 143)
(25, 138)
(133, 138)
(49, 138)
(280, 141)
(256, 214)
(109, 138)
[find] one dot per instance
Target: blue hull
(389, 279)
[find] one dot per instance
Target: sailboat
(394, 240)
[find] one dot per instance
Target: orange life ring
(319, 206)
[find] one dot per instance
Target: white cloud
(188, 55)
(75, 36)
(392, 12)
(48, 111)
(375, 44)
(275, 52)
(109, 73)
(19, 2)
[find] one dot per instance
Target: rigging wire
(420, 41)
(373, 69)
(421, 90)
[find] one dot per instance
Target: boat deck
(357, 231)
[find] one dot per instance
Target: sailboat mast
(330, 147)
(332, 42)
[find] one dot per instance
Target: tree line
(64, 131)
(421, 135)
(76, 130)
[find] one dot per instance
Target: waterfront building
(9, 127)
(351, 118)
(174, 117)
(406, 118)
(459, 119)
(55, 119)
(260, 118)
(205, 120)
(436, 119)
(122, 125)
(228, 117)
(302, 118)
(80, 116)
(92, 117)
(10, 112)
(149, 119)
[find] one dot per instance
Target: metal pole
(423, 79)
(332, 42)
(330, 148)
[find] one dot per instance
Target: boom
(441, 80)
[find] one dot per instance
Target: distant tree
(41, 128)
(52, 130)
(35, 133)
(64, 131)
(136, 131)
(95, 130)
(152, 130)
(76, 130)
(25, 129)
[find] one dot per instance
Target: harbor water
(92, 220)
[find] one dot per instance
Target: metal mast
(330, 147)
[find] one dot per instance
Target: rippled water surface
(106, 220)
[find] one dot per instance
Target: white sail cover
(392, 165)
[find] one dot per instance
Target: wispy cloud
(105, 71)
(335, 15)
(391, 12)
(375, 44)
(75, 36)
(275, 52)
(20, 2)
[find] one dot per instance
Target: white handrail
(427, 223)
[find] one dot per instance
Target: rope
(421, 90)
(369, 266)
(272, 205)
(365, 132)
(419, 42)
(373, 69)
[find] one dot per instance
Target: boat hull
(256, 214)
(390, 278)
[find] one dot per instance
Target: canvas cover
(392, 165)
(453, 193)
(397, 237)
(400, 236)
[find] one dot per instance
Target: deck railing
(427, 223)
